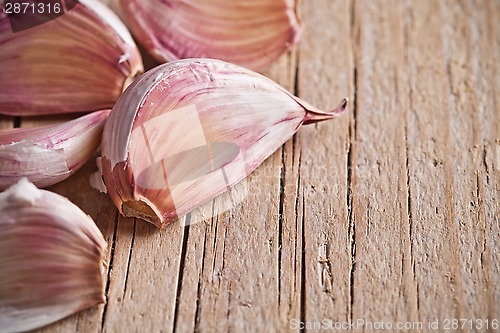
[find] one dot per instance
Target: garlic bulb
(248, 33)
(49, 154)
(78, 62)
(186, 131)
(51, 258)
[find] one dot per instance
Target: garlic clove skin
(187, 131)
(251, 34)
(114, 5)
(78, 62)
(48, 155)
(51, 258)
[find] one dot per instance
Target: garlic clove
(186, 131)
(78, 62)
(114, 5)
(48, 155)
(51, 258)
(251, 34)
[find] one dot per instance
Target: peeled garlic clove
(48, 155)
(51, 258)
(251, 34)
(186, 131)
(78, 62)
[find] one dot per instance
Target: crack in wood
(180, 274)
(280, 221)
(352, 227)
(110, 267)
(296, 210)
(223, 251)
(410, 218)
(406, 22)
(481, 217)
(197, 316)
(325, 274)
(303, 268)
(296, 92)
(129, 259)
(228, 311)
(485, 164)
(296, 85)
(215, 219)
(352, 137)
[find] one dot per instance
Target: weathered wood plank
(146, 278)
(434, 234)
(316, 201)
(382, 276)
(467, 148)
(435, 156)
(485, 32)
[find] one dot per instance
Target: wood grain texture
(389, 213)
(382, 269)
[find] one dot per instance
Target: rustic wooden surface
(389, 213)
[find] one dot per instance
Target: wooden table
(389, 213)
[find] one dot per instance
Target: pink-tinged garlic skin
(78, 62)
(51, 258)
(48, 155)
(249, 33)
(153, 141)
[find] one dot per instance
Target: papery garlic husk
(48, 155)
(186, 131)
(78, 62)
(51, 258)
(248, 33)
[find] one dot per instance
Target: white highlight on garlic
(47, 155)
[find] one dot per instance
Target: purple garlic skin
(187, 131)
(51, 258)
(78, 62)
(48, 155)
(248, 33)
